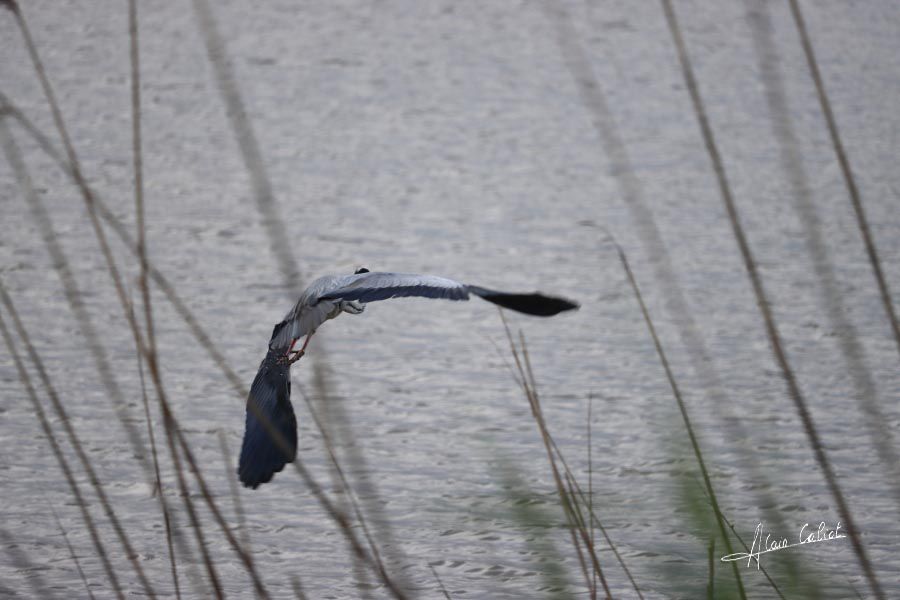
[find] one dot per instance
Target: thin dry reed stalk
(22, 562)
(203, 338)
(631, 191)
(71, 167)
(196, 527)
(343, 493)
(365, 490)
(298, 588)
(844, 162)
(174, 433)
(254, 163)
(149, 355)
(581, 540)
(762, 568)
(235, 109)
(791, 159)
(763, 303)
(61, 460)
(584, 498)
(590, 500)
(261, 185)
(138, 166)
(440, 583)
(61, 263)
(682, 408)
(14, 158)
(235, 493)
(339, 471)
(163, 504)
(345, 527)
(72, 554)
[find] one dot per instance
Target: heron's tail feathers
(270, 436)
(530, 304)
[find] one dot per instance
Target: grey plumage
(329, 296)
(269, 410)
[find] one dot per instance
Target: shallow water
(482, 143)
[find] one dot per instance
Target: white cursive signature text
(763, 542)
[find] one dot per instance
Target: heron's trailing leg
(297, 355)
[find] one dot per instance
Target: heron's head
(361, 270)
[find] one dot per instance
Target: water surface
(471, 141)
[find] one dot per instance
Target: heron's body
(270, 437)
(329, 296)
(310, 311)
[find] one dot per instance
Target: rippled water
(482, 143)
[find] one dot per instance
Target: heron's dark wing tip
(535, 304)
(270, 436)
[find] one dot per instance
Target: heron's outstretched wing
(270, 436)
(371, 287)
(293, 327)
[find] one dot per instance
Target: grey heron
(270, 435)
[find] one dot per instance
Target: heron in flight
(270, 436)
